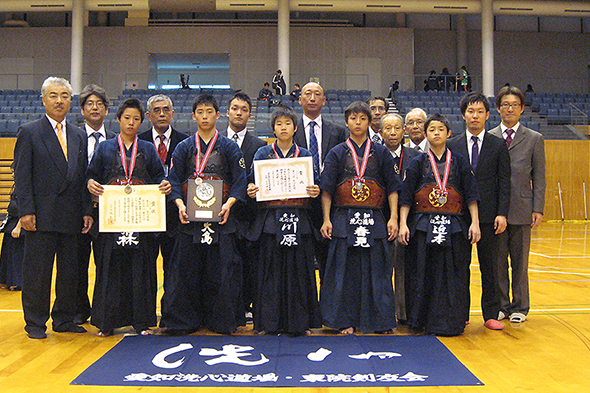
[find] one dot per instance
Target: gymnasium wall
(118, 54)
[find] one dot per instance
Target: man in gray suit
(415, 120)
(527, 162)
(319, 136)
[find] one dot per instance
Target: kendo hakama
(357, 288)
(439, 251)
(126, 284)
(206, 268)
(286, 299)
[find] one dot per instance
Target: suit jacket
(249, 146)
(175, 138)
(408, 154)
(46, 184)
(172, 220)
(427, 146)
(332, 134)
(492, 175)
(527, 163)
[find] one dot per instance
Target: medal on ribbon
(128, 171)
(205, 193)
(438, 196)
(360, 191)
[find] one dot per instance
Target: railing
(579, 119)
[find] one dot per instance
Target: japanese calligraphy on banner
(141, 210)
(278, 361)
(283, 178)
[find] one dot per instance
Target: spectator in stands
(238, 113)
(296, 93)
(415, 120)
(392, 130)
(265, 94)
(445, 80)
(529, 88)
(491, 164)
(278, 83)
(319, 136)
(379, 107)
(431, 84)
(392, 89)
(160, 112)
(94, 105)
(463, 79)
(527, 163)
(54, 207)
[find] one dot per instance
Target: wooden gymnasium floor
(548, 353)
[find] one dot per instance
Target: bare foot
(346, 331)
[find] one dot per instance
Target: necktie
(510, 132)
(376, 139)
(162, 151)
(474, 152)
(62, 139)
(96, 136)
(235, 137)
(313, 145)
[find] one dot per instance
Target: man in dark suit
(94, 105)
(319, 136)
(379, 108)
(160, 111)
(527, 161)
(54, 207)
(392, 131)
(238, 113)
(415, 120)
(491, 164)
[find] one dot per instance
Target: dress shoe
(37, 334)
(493, 324)
(517, 317)
(69, 327)
(81, 319)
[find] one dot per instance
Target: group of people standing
(261, 257)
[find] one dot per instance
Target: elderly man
(392, 130)
(54, 207)
(379, 107)
(160, 111)
(318, 136)
(415, 120)
(94, 105)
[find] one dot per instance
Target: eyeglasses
(98, 104)
(507, 105)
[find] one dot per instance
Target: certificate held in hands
(204, 199)
(285, 178)
(132, 208)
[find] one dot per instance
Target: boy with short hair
(358, 178)
(206, 268)
(438, 189)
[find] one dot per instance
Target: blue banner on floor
(278, 361)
